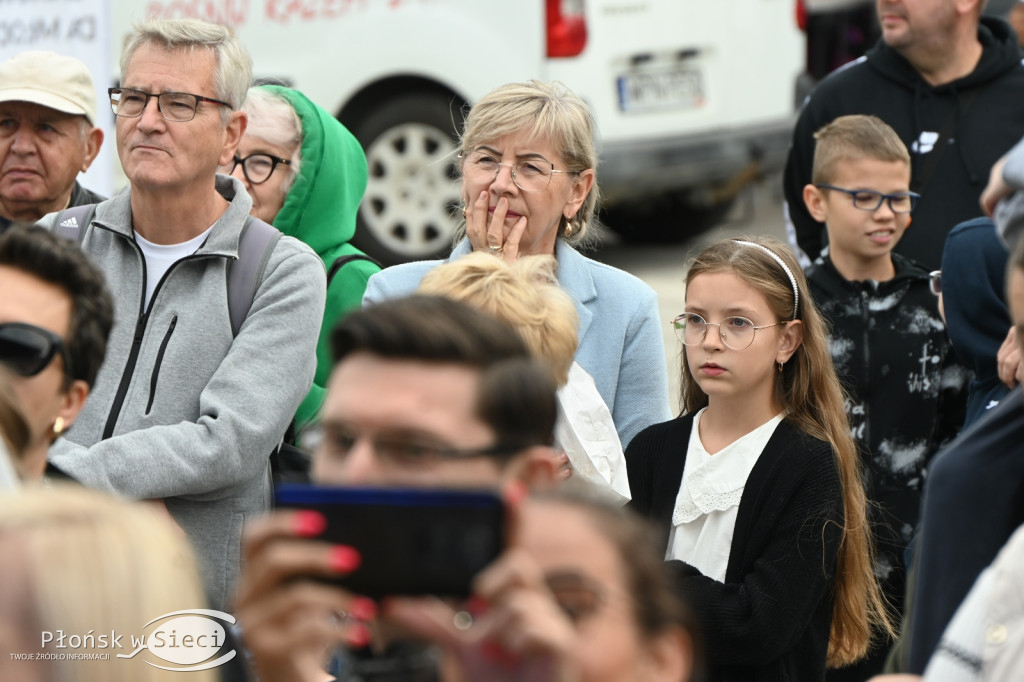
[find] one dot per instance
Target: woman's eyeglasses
(26, 349)
(530, 175)
(257, 168)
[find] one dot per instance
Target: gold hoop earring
(780, 368)
(58, 427)
(569, 228)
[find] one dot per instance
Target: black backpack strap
(919, 183)
(255, 245)
(342, 261)
(72, 221)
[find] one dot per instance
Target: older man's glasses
(529, 175)
(173, 106)
(736, 332)
(870, 200)
(26, 350)
(257, 168)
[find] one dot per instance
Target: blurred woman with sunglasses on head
(529, 187)
(306, 174)
(55, 315)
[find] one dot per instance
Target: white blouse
(709, 498)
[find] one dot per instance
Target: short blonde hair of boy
(852, 138)
(525, 295)
(78, 560)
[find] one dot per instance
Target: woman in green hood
(306, 174)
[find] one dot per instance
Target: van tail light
(567, 28)
(801, 15)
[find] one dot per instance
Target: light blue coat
(620, 344)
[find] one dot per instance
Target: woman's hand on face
(487, 231)
(290, 625)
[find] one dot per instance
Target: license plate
(662, 89)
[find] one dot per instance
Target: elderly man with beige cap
(48, 135)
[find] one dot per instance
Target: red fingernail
(358, 636)
(344, 559)
(308, 524)
(363, 608)
(515, 493)
(476, 605)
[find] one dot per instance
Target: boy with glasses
(906, 394)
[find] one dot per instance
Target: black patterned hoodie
(906, 395)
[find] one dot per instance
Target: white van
(692, 97)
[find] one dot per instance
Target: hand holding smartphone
(412, 541)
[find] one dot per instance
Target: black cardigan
(772, 617)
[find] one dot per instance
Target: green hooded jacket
(320, 210)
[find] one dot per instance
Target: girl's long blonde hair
(811, 396)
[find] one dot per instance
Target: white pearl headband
(782, 264)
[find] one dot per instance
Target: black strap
(931, 160)
(342, 261)
(255, 245)
(72, 221)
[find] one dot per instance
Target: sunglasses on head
(26, 349)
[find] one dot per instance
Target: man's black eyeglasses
(26, 349)
(257, 167)
(173, 106)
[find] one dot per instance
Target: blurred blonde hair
(89, 562)
(524, 295)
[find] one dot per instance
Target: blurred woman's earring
(569, 227)
(58, 427)
(780, 368)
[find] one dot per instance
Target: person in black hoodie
(905, 393)
(974, 305)
(951, 84)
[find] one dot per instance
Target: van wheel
(413, 197)
(669, 219)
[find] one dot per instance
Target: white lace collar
(715, 482)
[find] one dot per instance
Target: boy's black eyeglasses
(257, 167)
(870, 200)
(26, 349)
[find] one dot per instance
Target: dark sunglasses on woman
(26, 349)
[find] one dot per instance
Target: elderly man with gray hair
(192, 402)
(48, 135)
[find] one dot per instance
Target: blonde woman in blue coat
(529, 187)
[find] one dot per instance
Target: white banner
(78, 28)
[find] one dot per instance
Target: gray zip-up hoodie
(181, 410)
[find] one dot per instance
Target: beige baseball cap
(50, 80)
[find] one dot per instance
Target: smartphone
(412, 541)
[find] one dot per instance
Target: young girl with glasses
(757, 485)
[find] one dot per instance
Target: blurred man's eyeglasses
(935, 281)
